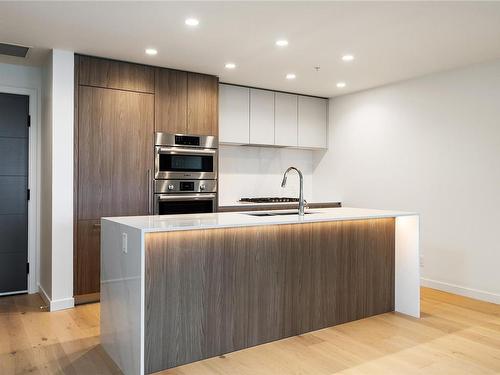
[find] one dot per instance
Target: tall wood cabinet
(119, 106)
(115, 125)
(186, 103)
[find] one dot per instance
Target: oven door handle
(183, 197)
(177, 150)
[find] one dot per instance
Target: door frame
(33, 182)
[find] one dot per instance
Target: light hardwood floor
(455, 335)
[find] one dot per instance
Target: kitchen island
(180, 288)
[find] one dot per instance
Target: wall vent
(13, 50)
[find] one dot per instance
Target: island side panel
(121, 314)
(408, 265)
(214, 291)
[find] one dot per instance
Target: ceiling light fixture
(151, 51)
(347, 58)
(290, 76)
(282, 42)
(192, 22)
(230, 65)
(341, 85)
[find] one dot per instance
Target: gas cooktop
(269, 200)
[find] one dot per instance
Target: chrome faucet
(301, 192)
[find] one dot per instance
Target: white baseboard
(461, 290)
(61, 304)
(57, 304)
(44, 295)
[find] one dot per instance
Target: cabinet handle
(150, 193)
(97, 226)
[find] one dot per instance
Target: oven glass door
(166, 204)
(183, 163)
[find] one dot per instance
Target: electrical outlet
(124, 243)
(421, 260)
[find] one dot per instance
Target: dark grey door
(14, 116)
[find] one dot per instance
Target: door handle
(183, 197)
(186, 151)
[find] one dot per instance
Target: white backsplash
(246, 171)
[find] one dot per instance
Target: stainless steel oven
(184, 196)
(181, 156)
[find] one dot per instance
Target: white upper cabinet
(313, 115)
(285, 115)
(268, 118)
(261, 117)
(234, 114)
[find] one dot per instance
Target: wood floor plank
(455, 335)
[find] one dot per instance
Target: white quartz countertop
(170, 223)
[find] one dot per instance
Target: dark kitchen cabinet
(202, 118)
(186, 103)
(171, 101)
(115, 152)
(113, 74)
(87, 258)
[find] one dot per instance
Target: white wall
(430, 145)
(20, 76)
(246, 171)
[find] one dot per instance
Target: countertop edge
(152, 224)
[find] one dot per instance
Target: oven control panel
(185, 186)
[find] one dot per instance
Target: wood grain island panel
(214, 291)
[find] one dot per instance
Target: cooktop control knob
(170, 187)
(202, 187)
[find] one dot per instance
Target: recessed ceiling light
(290, 76)
(341, 85)
(151, 51)
(230, 65)
(192, 22)
(347, 58)
(282, 42)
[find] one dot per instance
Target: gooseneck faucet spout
(301, 192)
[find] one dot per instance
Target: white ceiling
(391, 41)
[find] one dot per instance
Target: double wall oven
(185, 177)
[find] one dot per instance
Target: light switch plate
(124, 243)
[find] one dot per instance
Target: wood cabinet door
(261, 117)
(88, 257)
(171, 101)
(285, 123)
(115, 152)
(234, 114)
(113, 74)
(313, 114)
(202, 101)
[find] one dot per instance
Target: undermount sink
(275, 213)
